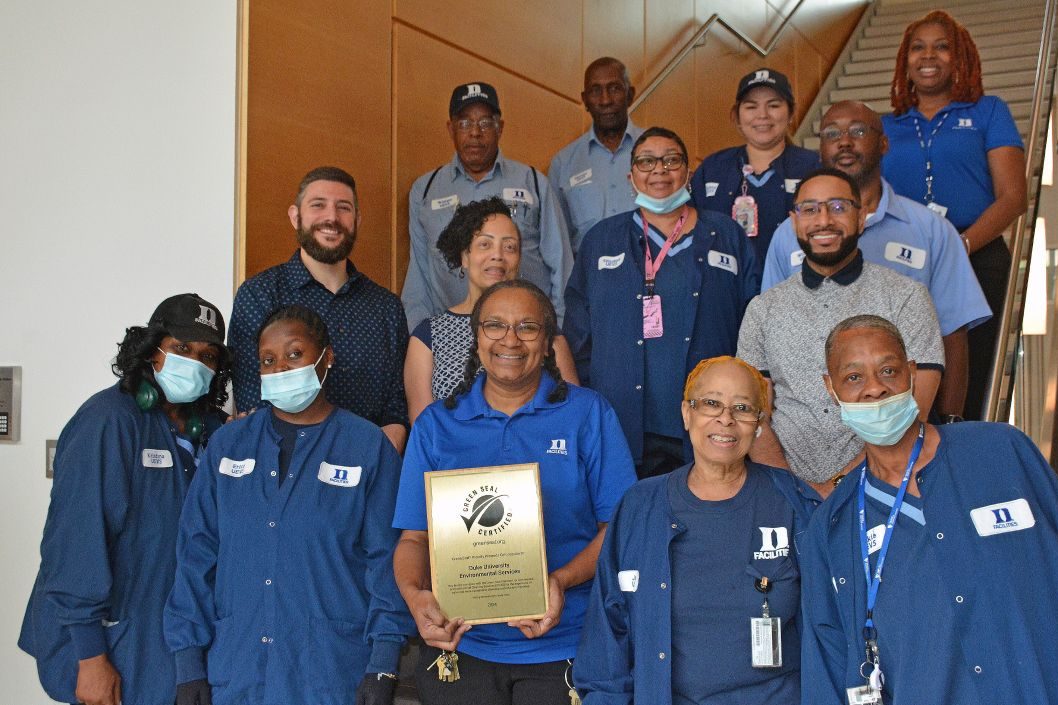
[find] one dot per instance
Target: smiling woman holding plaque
(517, 412)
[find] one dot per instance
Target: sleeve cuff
(190, 664)
(89, 640)
(385, 655)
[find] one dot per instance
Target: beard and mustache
(321, 253)
(828, 259)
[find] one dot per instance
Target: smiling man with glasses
(478, 170)
(784, 328)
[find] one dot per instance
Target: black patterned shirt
(449, 337)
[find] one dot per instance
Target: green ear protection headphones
(147, 399)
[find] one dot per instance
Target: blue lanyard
(927, 148)
(869, 632)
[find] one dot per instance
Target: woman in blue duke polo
(284, 589)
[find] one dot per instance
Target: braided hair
(473, 365)
(966, 64)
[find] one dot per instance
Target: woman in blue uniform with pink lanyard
(959, 152)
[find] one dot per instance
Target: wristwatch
(951, 418)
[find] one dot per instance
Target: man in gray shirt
(784, 331)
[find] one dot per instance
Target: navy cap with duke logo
(765, 77)
(190, 318)
(469, 93)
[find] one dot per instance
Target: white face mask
(881, 423)
(293, 390)
(182, 379)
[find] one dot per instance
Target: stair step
(990, 69)
(994, 83)
(886, 56)
(1002, 20)
(997, 35)
(903, 14)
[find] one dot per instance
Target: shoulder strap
(432, 177)
(536, 186)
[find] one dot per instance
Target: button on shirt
(910, 239)
(430, 286)
(783, 335)
(368, 332)
(591, 182)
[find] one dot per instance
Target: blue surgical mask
(881, 423)
(663, 205)
(182, 379)
(292, 391)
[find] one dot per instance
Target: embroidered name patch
(518, 195)
(907, 255)
(724, 261)
(791, 184)
(583, 177)
(1003, 518)
(628, 580)
(236, 468)
(611, 261)
(439, 204)
(710, 188)
(157, 458)
(340, 475)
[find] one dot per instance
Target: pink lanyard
(649, 265)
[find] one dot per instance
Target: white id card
(864, 695)
(744, 212)
(653, 326)
(765, 638)
(937, 208)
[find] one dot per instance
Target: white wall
(117, 143)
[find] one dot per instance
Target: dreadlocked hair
(965, 61)
(550, 330)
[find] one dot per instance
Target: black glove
(194, 693)
(373, 690)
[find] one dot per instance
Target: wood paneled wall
(364, 84)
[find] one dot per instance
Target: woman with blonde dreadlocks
(959, 152)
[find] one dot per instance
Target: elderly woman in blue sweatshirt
(697, 594)
(284, 589)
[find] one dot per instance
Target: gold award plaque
(488, 561)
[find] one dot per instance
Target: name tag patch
(628, 580)
(710, 188)
(791, 184)
(439, 204)
(907, 255)
(583, 177)
(874, 538)
(611, 261)
(722, 260)
(157, 458)
(1003, 518)
(518, 195)
(340, 475)
(236, 468)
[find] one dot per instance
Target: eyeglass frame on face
(484, 124)
(799, 207)
(519, 329)
(754, 414)
(835, 136)
(674, 161)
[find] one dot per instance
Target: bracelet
(966, 242)
(391, 676)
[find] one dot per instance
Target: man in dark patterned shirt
(368, 330)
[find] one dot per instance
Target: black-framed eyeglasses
(835, 206)
(740, 411)
(526, 331)
(669, 162)
(856, 131)
(484, 124)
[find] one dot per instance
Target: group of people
(607, 322)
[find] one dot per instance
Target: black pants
(991, 264)
(489, 683)
(661, 455)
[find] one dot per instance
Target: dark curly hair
(473, 365)
(133, 366)
(966, 83)
(467, 222)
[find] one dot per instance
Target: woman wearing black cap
(122, 466)
(754, 182)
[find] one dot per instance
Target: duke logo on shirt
(796, 258)
(906, 255)
(965, 123)
(518, 195)
(722, 260)
(340, 475)
(236, 468)
(157, 458)
(774, 543)
(1002, 518)
(558, 447)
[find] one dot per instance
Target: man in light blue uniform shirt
(590, 175)
(478, 170)
(900, 234)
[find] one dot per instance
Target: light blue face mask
(881, 423)
(182, 379)
(294, 390)
(663, 205)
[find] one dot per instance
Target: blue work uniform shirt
(910, 239)
(604, 304)
(580, 488)
(109, 549)
(288, 587)
(962, 181)
(591, 182)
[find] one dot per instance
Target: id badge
(744, 212)
(937, 208)
(864, 695)
(765, 638)
(653, 327)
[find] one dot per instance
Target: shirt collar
(497, 168)
(889, 205)
(913, 110)
(848, 274)
(631, 134)
(299, 275)
(472, 405)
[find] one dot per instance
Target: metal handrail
(996, 394)
(693, 44)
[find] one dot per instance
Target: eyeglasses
(835, 206)
(526, 331)
(856, 131)
(668, 162)
(739, 411)
(484, 124)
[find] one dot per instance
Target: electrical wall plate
(10, 404)
(49, 458)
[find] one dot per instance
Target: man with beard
(478, 170)
(590, 175)
(784, 331)
(901, 234)
(368, 331)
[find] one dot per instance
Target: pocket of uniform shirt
(334, 644)
(221, 652)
